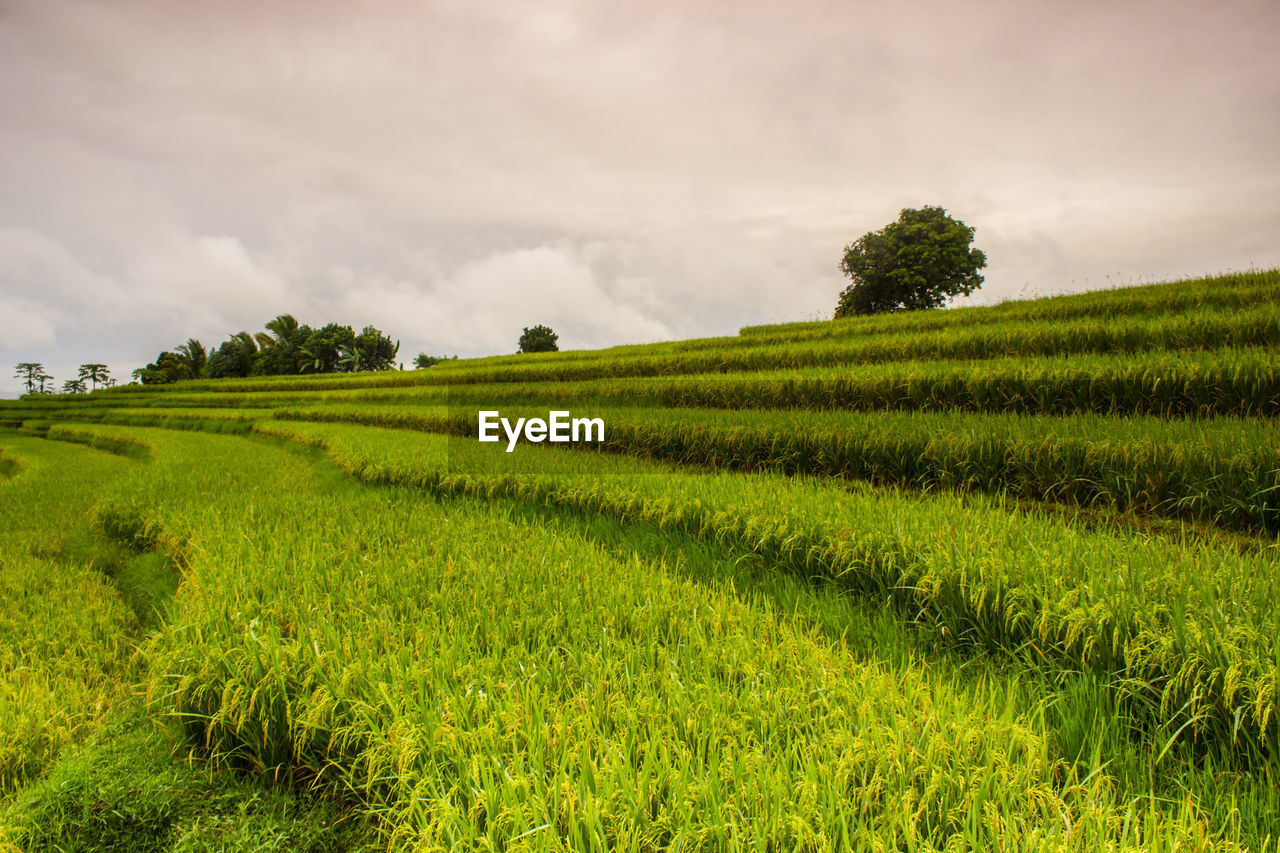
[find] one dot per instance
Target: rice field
(998, 578)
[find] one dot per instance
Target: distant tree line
(36, 380)
(286, 347)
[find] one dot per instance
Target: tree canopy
(32, 375)
(370, 350)
(422, 360)
(168, 367)
(94, 373)
(289, 346)
(233, 358)
(920, 261)
(538, 339)
(286, 347)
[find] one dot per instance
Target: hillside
(985, 578)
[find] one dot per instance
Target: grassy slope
(59, 665)
(1186, 621)
(1092, 685)
(1224, 470)
(509, 679)
(81, 765)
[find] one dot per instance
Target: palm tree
(194, 356)
(350, 357)
(246, 343)
(29, 372)
(94, 373)
(282, 330)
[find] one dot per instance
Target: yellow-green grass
(135, 786)
(76, 433)
(1232, 290)
(1234, 310)
(1217, 382)
(1081, 685)
(235, 420)
(229, 420)
(8, 464)
(1220, 470)
(479, 680)
(1196, 329)
(1143, 304)
(1186, 628)
(66, 636)
(192, 398)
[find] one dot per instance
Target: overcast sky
(621, 171)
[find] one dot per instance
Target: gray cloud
(453, 171)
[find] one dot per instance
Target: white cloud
(23, 326)
(206, 286)
(483, 305)
(37, 269)
(452, 172)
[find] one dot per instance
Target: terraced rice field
(998, 578)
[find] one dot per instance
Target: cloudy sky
(622, 171)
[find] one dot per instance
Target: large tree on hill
(920, 261)
(538, 339)
(93, 374)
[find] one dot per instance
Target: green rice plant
(1168, 384)
(118, 444)
(1195, 329)
(29, 420)
(195, 398)
(446, 643)
(66, 638)
(1219, 382)
(289, 382)
(8, 465)
(236, 420)
(206, 413)
(1186, 629)
(1223, 471)
(1233, 290)
(504, 684)
(134, 786)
